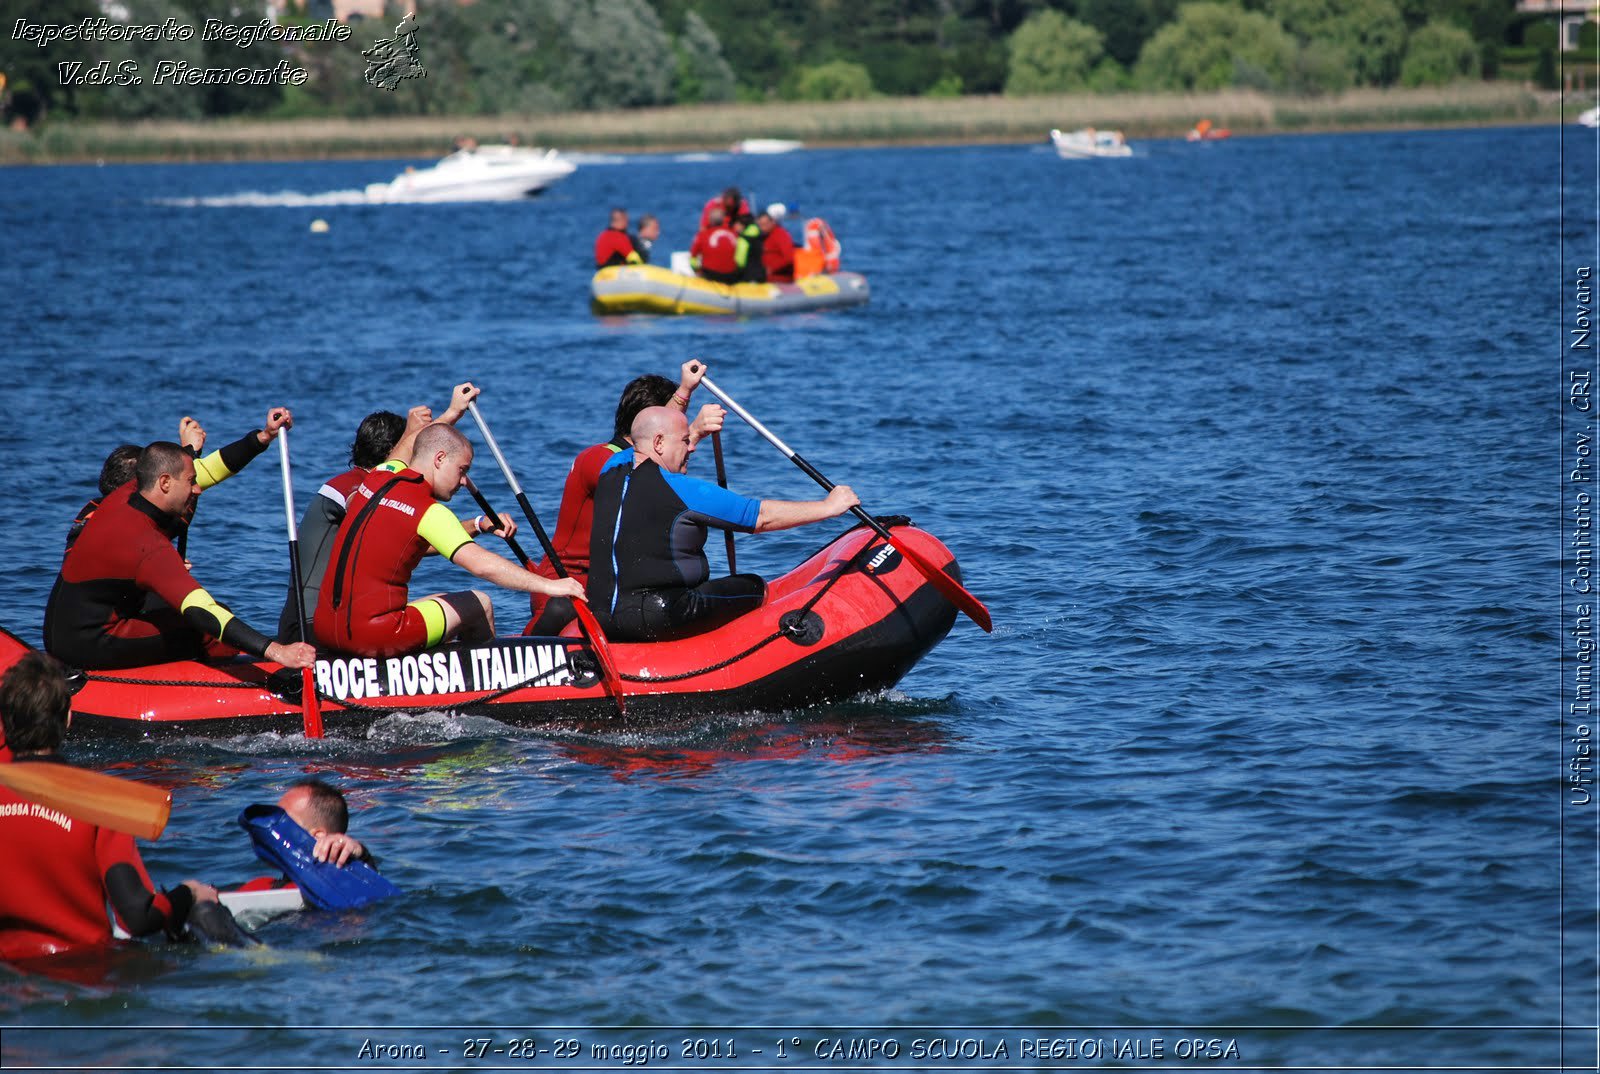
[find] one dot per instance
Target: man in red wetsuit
(615, 246)
(777, 249)
(571, 539)
(382, 436)
(60, 871)
(100, 615)
(394, 516)
(715, 251)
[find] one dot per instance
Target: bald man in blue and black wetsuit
(648, 575)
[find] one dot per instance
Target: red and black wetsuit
(99, 615)
(571, 539)
(777, 254)
(60, 873)
(390, 522)
(614, 247)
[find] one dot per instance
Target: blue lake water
(1254, 451)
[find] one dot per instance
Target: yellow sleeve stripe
(210, 470)
(200, 600)
(443, 530)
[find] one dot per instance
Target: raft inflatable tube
(653, 289)
(853, 618)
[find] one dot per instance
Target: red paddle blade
(597, 639)
(954, 591)
(310, 707)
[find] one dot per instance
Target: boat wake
(282, 199)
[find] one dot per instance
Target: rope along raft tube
(853, 618)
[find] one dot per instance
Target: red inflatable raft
(855, 617)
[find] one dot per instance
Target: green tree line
(493, 56)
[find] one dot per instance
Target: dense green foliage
(493, 56)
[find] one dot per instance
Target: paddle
(106, 801)
(586, 620)
(722, 479)
(310, 710)
(953, 590)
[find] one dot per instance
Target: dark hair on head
(34, 704)
(118, 468)
(732, 194)
(376, 436)
(325, 805)
(641, 392)
(161, 457)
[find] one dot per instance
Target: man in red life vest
(614, 247)
(381, 437)
(60, 871)
(394, 517)
(777, 249)
(100, 614)
(715, 251)
(571, 538)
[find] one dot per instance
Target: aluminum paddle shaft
(953, 590)
(310, 710)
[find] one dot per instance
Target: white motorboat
(1090, 143)
(766, 146)
(479, 173)
(1591, 118)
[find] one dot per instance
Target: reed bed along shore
(881, 121)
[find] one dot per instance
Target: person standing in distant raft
(61, 872)
(614, 246)
(648, 575)
(777, 248)
(381, 437)
(99, 615)
(394, 516)
(571, 539)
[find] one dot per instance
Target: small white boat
(1591, 118)
(1089, 143)
(480, 173)
(766, 146)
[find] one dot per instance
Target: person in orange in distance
(614, 246)
(393, 518)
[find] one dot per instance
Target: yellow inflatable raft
(653, 289)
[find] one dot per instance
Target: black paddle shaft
(722, 479)
(494, 523)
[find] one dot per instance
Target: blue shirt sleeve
(713, 504)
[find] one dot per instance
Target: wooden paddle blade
(954, 591)
(105, 801)
(597, 640)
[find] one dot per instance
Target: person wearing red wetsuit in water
(60, 872)
(394, 517)
(571, 538)
(99, 615)
(615, 245)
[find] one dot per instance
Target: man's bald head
(661, 434)
(442, 455)
(440, 437)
